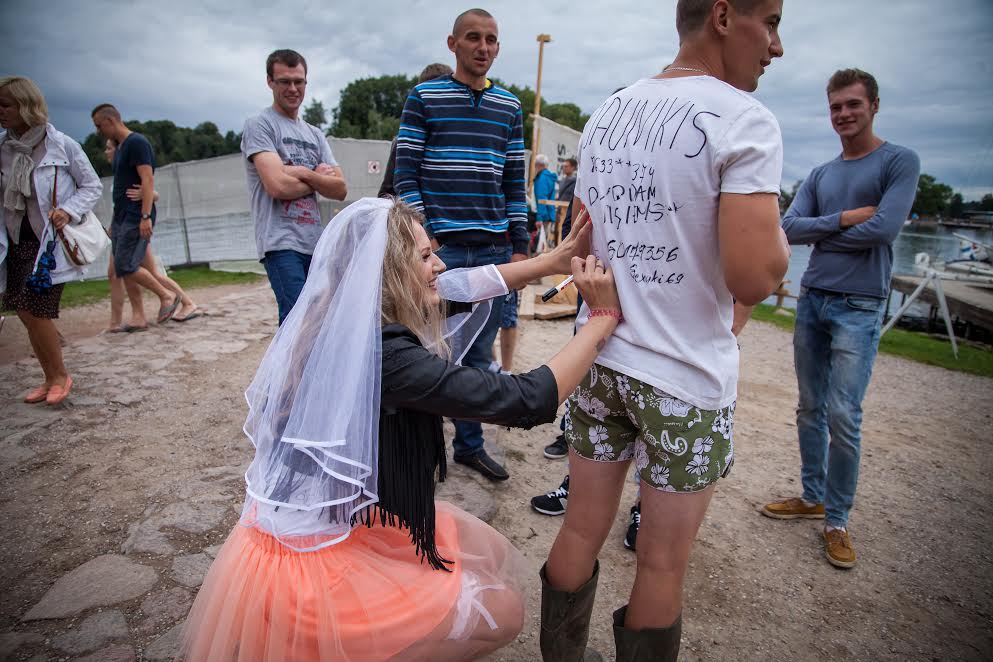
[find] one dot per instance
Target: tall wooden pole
(536, 128)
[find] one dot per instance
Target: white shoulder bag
(84, 242)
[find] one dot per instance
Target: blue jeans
(834, 346)
(287, 271)
(468, 434)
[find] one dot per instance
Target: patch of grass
(93, 291)
(918, 347)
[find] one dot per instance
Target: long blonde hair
(403, 299)
(30, 101)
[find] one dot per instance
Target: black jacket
(414, 378)
(418, 388)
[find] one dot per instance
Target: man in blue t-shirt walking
(134, 220)
(460, 162)
(851, 209)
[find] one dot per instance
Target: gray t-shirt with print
(284, 224)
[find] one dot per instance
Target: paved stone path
(131, 603)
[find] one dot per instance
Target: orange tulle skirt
(367, 598)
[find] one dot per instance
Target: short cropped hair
(541, 159)
(284, 56)
(571, 160)
(433, 71)
(106, 109)
(845, 77)
(469, 12)
(692, 14)
(30, 101)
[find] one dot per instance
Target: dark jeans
(468, 434)
(287, 271)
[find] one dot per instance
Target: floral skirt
(20, 265)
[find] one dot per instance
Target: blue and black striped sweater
(460, 161)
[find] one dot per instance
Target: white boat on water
(973, 260)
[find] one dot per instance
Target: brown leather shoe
(838, 548)
(793, 508)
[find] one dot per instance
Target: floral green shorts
(676, 447)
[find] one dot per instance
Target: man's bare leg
(137, 303)
(144, 278)
(187, 306)
(508, 345)
(116, 297)
(594, 495)
(669, 524)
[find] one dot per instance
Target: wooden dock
(970, 302)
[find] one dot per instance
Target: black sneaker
(554, 502)
(558, 449)
(485, 465)
(632, 535)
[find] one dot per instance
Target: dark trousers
(469, 434)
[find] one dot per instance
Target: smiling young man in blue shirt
(851, 209)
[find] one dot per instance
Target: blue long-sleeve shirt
(859, 259)
(460, 161)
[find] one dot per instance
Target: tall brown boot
(650, 644)
(565, 621)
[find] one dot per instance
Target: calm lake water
(937, 240)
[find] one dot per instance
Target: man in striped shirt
(460, 161)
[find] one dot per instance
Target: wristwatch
(146, 217)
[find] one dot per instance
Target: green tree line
(172, 143)
(368, 108)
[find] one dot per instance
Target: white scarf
(17, 187)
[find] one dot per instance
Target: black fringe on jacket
(411, 448)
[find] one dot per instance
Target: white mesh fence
(203, 212)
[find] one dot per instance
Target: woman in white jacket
(36, 160)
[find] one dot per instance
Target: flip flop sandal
(166, 313)
(57, 394)
(195, 314)
(127, 328)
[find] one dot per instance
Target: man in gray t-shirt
(851, 209)
(288, 162)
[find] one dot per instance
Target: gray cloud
(192, 61)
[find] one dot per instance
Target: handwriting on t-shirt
(624, 192)
(628, 123)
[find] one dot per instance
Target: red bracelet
(607, 312)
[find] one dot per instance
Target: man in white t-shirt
(680, 174)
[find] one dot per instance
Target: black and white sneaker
(631, 537)
(554, 502)
(558, 449)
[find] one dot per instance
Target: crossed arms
(289, 182)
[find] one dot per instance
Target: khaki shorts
(676, 447)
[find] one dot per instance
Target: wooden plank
(554, 311)
(525, 302)
(966, 301)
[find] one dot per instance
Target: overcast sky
(191, 61)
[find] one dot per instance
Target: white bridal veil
(313, 406)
